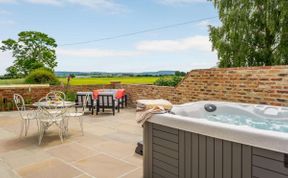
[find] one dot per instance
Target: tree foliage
(179, 73)
(31, 50)
(168, 81)
(42, 76)
(252, 32)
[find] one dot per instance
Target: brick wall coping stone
(149, 85)
(243, 68)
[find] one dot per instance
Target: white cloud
(4, 12)
(204, 23)
(180, 2)
(108, 5)
(49, 2)
(145, 56)
(194, 43)
(99, 4)
(200, 43)
(96, 53)
(6, 60)
(8, 1)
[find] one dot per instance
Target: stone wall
(83, 88)
(136, 92)
(259, 85)
(31, 94)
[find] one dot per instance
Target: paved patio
(105, 151)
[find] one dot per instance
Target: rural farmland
(92, 81)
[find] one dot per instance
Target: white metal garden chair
(56, 95)
(47, 118)
(78, 114)
(26, 115)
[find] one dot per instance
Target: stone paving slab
(106, 149)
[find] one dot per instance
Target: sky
(183, 47)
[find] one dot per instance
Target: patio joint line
(86, 157)
(129, 172)
(119, 159)
(82, 171)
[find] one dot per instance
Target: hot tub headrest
(210, 107)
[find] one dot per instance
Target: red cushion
(95, 94)
(120, 93)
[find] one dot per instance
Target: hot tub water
(242, 120)
(265, 117)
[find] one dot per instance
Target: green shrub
(70, 96)
(168, 81)
(42, 76)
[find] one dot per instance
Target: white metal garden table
(52, 112)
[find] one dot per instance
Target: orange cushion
(120, 93)
(95, 94)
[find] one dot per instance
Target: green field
(107, 80)
(11, 81)
(93, 81)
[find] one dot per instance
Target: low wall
(84, 88)
(31, 93)
(136, 92)
(259, 85)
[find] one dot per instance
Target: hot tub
(219, 140)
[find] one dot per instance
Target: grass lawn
(92, 81)
(11, 81)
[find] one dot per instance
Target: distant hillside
(99, 74)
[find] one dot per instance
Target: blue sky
(68, 21)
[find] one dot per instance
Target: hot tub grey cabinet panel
(173, 153)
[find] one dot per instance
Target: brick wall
(136, 92)
(31, 94)
(260, 85)
(83, 88)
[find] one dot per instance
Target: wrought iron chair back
(56, 95)
(78, 114)
(21, 107)
(48, 118)
(55, 108)
(19, 103)
(25, 115)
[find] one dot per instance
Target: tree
(179, 73)
(32, 50)
(252, 32)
